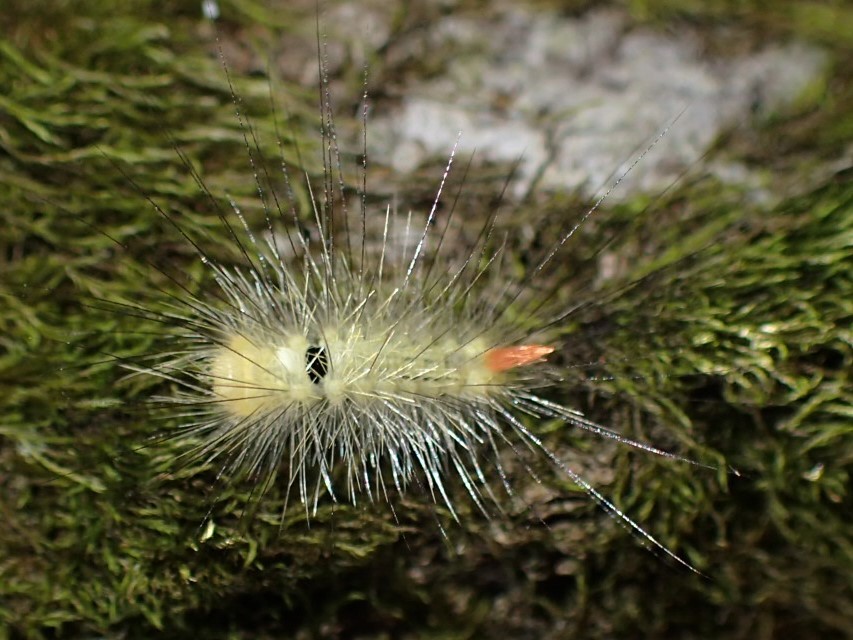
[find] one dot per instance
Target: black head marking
(316, 363)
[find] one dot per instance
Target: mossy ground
(100, 536)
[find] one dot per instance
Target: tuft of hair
(361, 371)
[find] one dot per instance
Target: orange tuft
(504, 358)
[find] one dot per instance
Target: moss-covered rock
(730, 342)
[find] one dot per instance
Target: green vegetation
(100, 535)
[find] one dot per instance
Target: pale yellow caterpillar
(337, 369)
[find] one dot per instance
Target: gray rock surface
(578, 100)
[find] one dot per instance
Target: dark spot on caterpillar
(316, 363)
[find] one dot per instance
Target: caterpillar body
(342, 370)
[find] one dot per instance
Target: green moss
(734, 347)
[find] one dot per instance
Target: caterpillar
(353, 367)
(360, 373)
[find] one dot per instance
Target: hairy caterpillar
(360, 372)
(359, 364)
